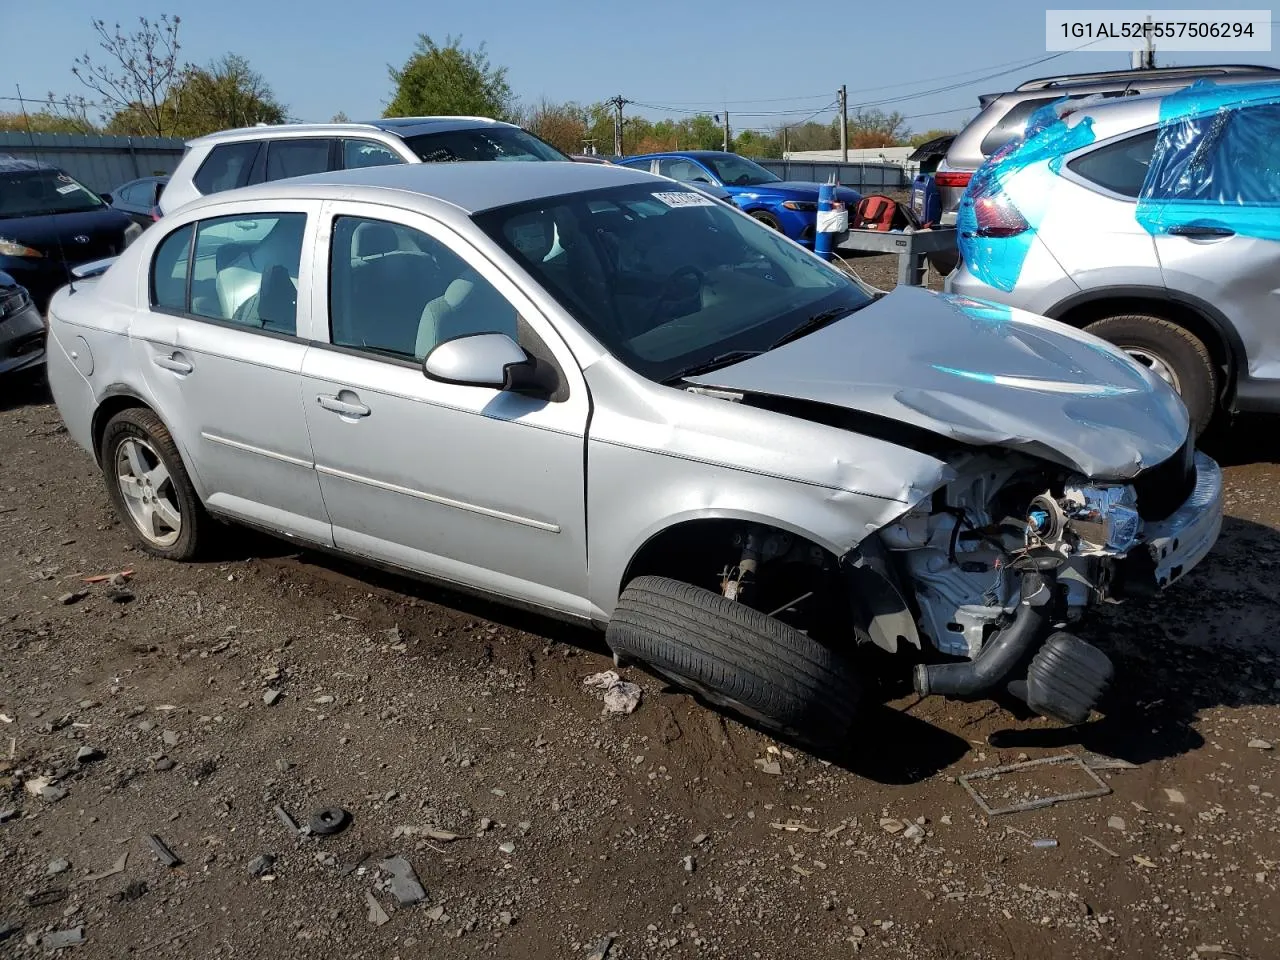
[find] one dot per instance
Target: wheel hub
(148, 493)
(1156, 364)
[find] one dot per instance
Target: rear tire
(1173, 353)
(147, 509)
(737, 658)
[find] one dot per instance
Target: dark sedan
(21, 329)
(140, 199)
(50, 223)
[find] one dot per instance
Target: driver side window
(686, 171)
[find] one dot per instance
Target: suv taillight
(953, 178)
(997, 217)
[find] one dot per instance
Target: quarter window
(169, 270)
(1120, 167)
(397, 291)
(226, 167)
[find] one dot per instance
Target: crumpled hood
(980, 373)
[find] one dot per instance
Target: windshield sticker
(69, 188)
(684, 198)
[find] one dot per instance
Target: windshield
(667, 278)
(482, 143)
(30, 193)
(735, 171)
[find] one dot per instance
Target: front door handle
(1201, 231)
(174, 363)
(347, 408)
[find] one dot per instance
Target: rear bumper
(22, 340)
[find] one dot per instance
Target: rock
(699, 839)
(436, 914)
(1116, 823)
(404, 884)
(74, 596)
(1258, 744)
(601, 949)
(89, 704)
(622, 698)
(164, 763)
(8, 813)
(284, 766)
(377, 915)
(170, 738)
(89, 754)
(1175, 796)
(689, 864)
(913, 832)
(270, 697)
(891, 825)
(485, 824)
(506, 919)
(36, 784)
(56, 867)
(507, 848)
(601, 681)
(262, 865)
(771, 767)
(52, 794)
(323, 700)
(133, 891)
(857, 932)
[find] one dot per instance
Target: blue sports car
(789, 206)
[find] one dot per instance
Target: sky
(769, 62)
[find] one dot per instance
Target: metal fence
(864, 177)
(101, 163)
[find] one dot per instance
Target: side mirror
(491, 360)
(105, 196)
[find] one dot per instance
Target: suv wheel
(148, 485)
(1172, 353)
(736, 657)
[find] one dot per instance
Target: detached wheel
(149, 488)
(767, 218)
(737, 658)
(1172, 353)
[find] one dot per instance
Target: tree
(563, 125)
(448, 81)
(917, 139)
(875, 128)
(138, 72)
(42, 121)
(224, 94)
(339, 117)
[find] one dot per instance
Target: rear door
(1218, 237)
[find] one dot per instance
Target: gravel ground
(539, 827)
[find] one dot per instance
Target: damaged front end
(1014, 550)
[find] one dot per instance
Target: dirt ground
(675, 831)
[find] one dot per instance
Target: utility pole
(726, 131)
(844, 124)
(618, 103)
(1145, 58)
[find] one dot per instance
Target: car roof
(12, 164)
(401, 126)
(693, 154)
(471, 186)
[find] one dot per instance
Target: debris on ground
(601, 949)
(1099, 788)
(75, 596)
(1105, 849)
(404, 884)
(117, 867)
(262, 865)
(1117, 823)
(771, 767)
(329, 820)
(108, 577)
(620, 696)
(892, 825)
(162, 851)
(55, 867)
(290, 824)
(1259, 744)
(377, 915)
(792, 826)
(270, 696)
(689, 864)
(42, 898)
(433, 833)
(1047, 843)
(89, 755)
(61, 939)
(135, 890)
(36, 784)
(508, 848)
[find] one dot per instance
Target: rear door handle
(174, 363)
(1201, 231)
(345, 407)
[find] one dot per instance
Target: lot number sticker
(685, 198)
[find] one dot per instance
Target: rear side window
(169, 270)
(296, 158)
(367, 153)
(1120, 167)
(226, 167)
(1012, 124)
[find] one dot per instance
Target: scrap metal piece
(404, 884)
(162, 852)
(61, 939)
(377, 915)
(1069, 758)
(355, 864)
(42, 898)
(1097, 761)
(117, 867)
(329, 820)
(290, 824)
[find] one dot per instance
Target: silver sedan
(604, 395)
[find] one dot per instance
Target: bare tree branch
(137, 72)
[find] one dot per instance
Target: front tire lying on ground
(737, 658)
(149, 488)
(1172, 353)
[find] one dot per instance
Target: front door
(227, 374)
(470, 484)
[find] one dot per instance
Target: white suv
(238, 158)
